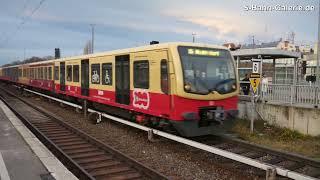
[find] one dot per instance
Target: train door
(123, 79)
(166, 105)
(85, 77)
(62, 76)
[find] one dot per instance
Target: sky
(35, 27)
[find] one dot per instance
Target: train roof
(127, 50)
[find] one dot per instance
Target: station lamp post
(193, 37)
(92, 37)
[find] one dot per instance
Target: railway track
(84, 156)
(289, 161)
(284, 164)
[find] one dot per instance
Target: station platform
(23, 156)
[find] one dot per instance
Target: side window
(69, 73)
(56, 73)
(141, 74)
(75, 73)
(95, 73)
(45, 73)
(50, 73)
(39, 73)
(107, 74)
(164, 76)
(20, 72)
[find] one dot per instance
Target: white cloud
(221, 25)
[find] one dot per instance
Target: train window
(141, 74)
(75, 73)
(34, 73)
(56, 73)
(20, 72)
(69, 73)
(39, 73)
(50, 73)
(42, 72)
(107, 74)
(45, 73)
(164, 76)
(95, 73)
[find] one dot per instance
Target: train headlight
(234, 86)
(187, 87)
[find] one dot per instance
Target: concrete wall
(304, 120)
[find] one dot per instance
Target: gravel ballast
(175, 160)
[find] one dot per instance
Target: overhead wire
(23, 21)
(3, 34)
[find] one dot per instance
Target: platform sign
(255, 67)
(254, 81)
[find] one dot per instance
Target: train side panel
(41, 76)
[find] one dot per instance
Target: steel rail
(76, 168)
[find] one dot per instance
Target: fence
(301, 95)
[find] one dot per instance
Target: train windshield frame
(206, 70)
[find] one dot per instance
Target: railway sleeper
(102, 164)
(63, 137)
(109, 171)
(52, 132)
(68, 140)
(60, 135)
(87, 150)
(93, 159)
(76, 146)
(64, 144)
(53, 128)
(129, 175)
(71, 144)
(87, 155)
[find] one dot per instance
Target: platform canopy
(248, 54)
(264, 54)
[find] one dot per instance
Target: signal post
(255, 79)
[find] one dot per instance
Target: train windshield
(206, 70)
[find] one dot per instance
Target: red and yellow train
(188, 86)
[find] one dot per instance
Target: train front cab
(205, 96)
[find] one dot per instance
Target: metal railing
(302, 95)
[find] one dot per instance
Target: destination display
(202, 52)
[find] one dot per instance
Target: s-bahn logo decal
(141, 98)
